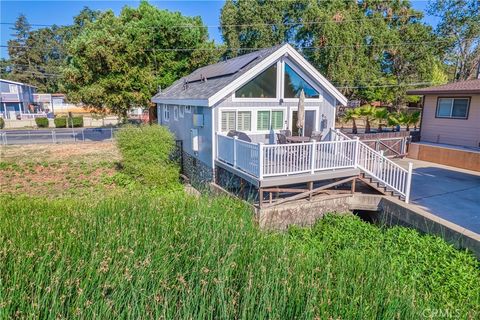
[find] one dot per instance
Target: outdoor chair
(240, 135)
(287, 133)
(316, 135)
(281, 138)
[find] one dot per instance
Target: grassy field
(129, 251)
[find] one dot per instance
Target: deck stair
(379, 172)
(286, 164)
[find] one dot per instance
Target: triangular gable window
(262, 86)
(294, 84)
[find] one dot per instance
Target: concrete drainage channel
(382, 210)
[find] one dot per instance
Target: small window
(277, 120)
(262, 86)
(263, 120)
(244, 120)
(453, 108)
(181, 111)
(267, 120)
(166, 113)
(228, 121)
(13, 88)
(188, 109)
(175, 113)
(294, 85)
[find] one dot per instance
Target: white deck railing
(379, 167)
(261, 161)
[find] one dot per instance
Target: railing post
(235, 151)
(357, 149)
(380, 171)
(260, 160)
(409, 181)
(312, 158)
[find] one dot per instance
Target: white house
(255, 96)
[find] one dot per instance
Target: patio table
(297, 139)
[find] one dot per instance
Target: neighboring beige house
(451, 113)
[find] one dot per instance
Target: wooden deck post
(260, 197)
(310, 188)
(354, 182)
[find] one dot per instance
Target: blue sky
(62, 12)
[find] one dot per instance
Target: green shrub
(146, 152)
(2, 123)
(42, 122)
(60, 122)
(76, 122)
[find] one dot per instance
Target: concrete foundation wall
(301, 213)
(385, 210)
(394, 212)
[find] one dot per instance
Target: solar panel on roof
(223, 68)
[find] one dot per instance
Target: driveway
(450, 193)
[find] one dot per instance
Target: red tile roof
(468, 86)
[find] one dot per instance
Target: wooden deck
(291, 178)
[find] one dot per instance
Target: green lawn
(146, 252)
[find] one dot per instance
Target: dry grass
(88, 151)
(56, 170)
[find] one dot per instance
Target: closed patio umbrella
(301, 112)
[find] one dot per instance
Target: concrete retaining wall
(396, 212)
(386, 211)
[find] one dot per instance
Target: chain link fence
(18, 137)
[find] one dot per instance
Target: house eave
(182, 102)
(437, 92)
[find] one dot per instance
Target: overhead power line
(415, 84)
(298, 47)
(293, 23)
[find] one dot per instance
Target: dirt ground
(53, 170)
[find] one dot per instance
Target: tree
(37, 57)
(256, 24)
(352, 115)
(459, 26)
(368, 49)
(119, 62)
(381, 116)
(367, 114)
(19, 64)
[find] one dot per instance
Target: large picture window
(262, 86)
(293, 85)
(453, 108)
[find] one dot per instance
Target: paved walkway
(450, 193)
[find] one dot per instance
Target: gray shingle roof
(202, 90)
(468, 86)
